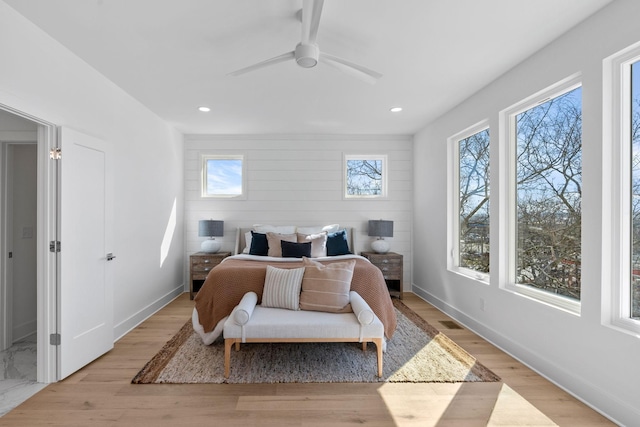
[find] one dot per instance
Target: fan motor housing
(307, 55)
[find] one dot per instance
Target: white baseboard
(24, 330)
(130, 323)
(600, 401)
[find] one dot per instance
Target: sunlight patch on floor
(510, 406)
(468, 404)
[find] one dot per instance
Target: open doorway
(23, 328)
(18, 214)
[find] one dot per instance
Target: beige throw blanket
(230, 280)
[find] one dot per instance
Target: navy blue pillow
(295, 250)
(337, 243)
(259, 244)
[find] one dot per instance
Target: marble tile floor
(18, 374)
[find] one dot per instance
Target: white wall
(43, 79)
(593, 361)
(298, 180)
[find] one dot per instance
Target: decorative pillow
(259, 244)
(247, 241)
(316, 229)
(337, 243)
(282, 288)
(295, 250)
(282, 229)
(326, 287)
(274, 239)
(318, 243)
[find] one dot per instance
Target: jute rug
(416, 353)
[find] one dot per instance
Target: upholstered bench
(251, 323)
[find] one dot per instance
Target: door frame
(47, 262)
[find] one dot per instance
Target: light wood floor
(101, 393)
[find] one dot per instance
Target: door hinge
(55, 153)
(54, 246)
(54, 339)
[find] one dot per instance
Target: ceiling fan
(307, 54)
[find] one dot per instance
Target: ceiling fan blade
(349, 67)
(280, 58)
(311, 11)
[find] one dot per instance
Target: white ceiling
(174, 55)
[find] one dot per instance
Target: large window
(621, 190)
(548, 184)
(222, 175)
(365, 176)
(473, 202)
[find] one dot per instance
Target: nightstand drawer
(202, 267)
(202, 275)
(384, 259)
(391, 274)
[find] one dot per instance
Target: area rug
(417, 353)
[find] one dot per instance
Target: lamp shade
(210, 228)
(380, 228)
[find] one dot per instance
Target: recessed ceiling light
(395, 109)
(204, 109)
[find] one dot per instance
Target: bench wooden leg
(364, 346)
(237, 345)
(227, 356)
(378, 342)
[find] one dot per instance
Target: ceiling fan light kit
(307, 53)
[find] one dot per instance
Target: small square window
(222, 176)
(365, 176)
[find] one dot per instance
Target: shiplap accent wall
(299, 180)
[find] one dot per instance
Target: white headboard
(241, 243)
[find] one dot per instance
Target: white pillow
(282, 288)
(315, 229)
(247, 241)
(275, 247)
(280, 229)
(318, 243)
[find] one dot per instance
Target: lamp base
(380, 246)
(210, 246)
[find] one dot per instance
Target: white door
(85, 231)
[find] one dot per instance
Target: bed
(244, 272)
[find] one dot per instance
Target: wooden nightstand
(391, 266)
(200, 265)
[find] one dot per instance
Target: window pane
(635, 188)
(549, 193)
(364, 177)
(223, 177)
(474, 202)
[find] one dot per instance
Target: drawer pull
(207, 268)
(385, 268)
(207, 261)
(385, 261)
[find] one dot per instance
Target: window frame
(616, 194)
(385, 176)
(508, 192)
(204, 158)
(453, 227)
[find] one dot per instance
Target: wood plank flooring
(101, 393)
